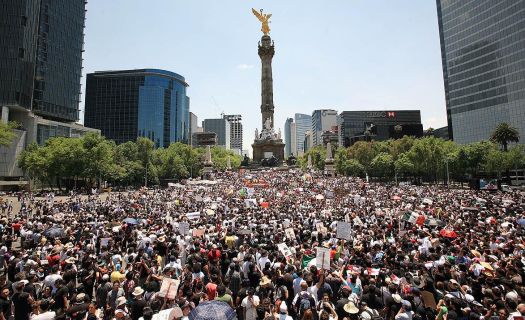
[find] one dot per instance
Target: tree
(503, 134)
(318, 155)
(352, 167)
(382, 165)
(7, 135)
(99, 157)
(364, 152)
(403, 165)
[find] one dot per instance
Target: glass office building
(483, 57)
(303, 123)
(221, 127)
(129, 104)
(41, 56)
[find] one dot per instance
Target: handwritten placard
(344, 230)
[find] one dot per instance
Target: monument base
(267, 148)
(207, 172)
(329, 170)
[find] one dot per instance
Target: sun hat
(397, 298)
(351, 308)
(138, 291)
(120, 301)
(264, 281)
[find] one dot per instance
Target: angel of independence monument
(267, 143)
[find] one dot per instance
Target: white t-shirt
(49, 315)
(251, 309)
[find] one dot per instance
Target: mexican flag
(306, 259)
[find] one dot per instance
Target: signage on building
(381, 114)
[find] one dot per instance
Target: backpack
(304, 303)
(374, 315)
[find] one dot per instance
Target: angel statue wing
(258, 15)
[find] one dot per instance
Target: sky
(333, 54)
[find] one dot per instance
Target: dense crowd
(247, 246)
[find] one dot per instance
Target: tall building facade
(483, 57)
(41, 48)
(378, 125)
(221, 127)
(236, 132)
(288, 137)
(303, 123)
(128, 104)
(322, 120)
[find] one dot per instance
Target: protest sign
(286, 223)
(323, 258)
(198, 232)
(104, 242)
(169, 288)
(344, 230)
(193, 215)
(290, 234)
(184, 228)
(283, 248)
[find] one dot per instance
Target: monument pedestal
(267, 148)
(329, 168)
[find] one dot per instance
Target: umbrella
(447, 233)
(213, 310)
(131, 221)
(54, 232)
(521, 221)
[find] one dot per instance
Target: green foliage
(382, 165)
(7, 135)
(96, 159)
(318, 155)
(503, 134)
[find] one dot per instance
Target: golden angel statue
(264, 18)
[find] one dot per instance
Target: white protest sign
(344, 230)
(286, 223)
(184, 228)
(290, 234)
(169, 288)
(322, 259)
(193, 215)
(283, 248)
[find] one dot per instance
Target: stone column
(5, 114)
(266, 52)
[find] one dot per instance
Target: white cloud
(245, 66)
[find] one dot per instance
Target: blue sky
(339, 54)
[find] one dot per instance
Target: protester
(272, 244)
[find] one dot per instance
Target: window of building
(23, 21)
(21, 53)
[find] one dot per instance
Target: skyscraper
(41, 45)
(221, 127)
(128, 104)
(235, 131)
(322, 120)
(483, 57)
(41, 63)
(303, 123)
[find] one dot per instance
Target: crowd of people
(248, 246)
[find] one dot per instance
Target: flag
(373, 271)
(306, 260)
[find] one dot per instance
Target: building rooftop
(141, 72)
